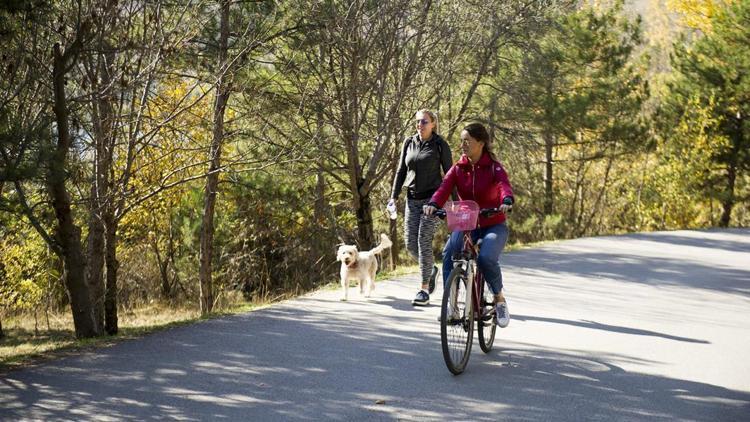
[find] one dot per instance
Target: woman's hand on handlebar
(432, 209)
(428, 209)
(502, 209)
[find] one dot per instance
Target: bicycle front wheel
(486, 325)
(456, 322)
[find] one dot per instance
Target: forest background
(198, 154)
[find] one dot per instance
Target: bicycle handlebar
(484, 212)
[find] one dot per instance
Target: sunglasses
(423, 121)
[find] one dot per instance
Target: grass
(26, 345)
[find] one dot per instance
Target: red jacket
(485, 182)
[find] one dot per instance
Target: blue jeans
(493, 243)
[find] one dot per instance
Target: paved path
(628, 328)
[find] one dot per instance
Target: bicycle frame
(467, 260)
(458, 314)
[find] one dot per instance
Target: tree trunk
(600, 199)
(110, 292)
(212, 180)
(206, 248)
(95, 254)
(549, 194)
(321, 203)
(727, 200)
(733, 165)
(365, 227)
(99, 75)
(68, 234)
(163, 263)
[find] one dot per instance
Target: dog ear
(338, 251)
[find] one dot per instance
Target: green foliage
(676, 189)
(574, 103)
(15, 13)
(272, 242)
(710, 96)
(577, 78)
(321, 98)
(535, 228)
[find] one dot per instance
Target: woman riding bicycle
(479, 176)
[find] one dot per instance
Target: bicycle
(465, 302)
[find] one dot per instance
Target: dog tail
(385, 243)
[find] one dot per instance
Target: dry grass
(28, 341)
(25, 344)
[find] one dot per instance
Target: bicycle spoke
(486, 325)
(456, 328)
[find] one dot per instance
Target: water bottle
(391, 208)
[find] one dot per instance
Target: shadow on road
(607, 327)
(648, 270)
(676, 238)
(287, 363)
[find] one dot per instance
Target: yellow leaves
(173, 148)
(697, 14)
(693, 142)
(685, 166)
(25, 272)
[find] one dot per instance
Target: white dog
(362, 266)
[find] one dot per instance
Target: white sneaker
(502, 316)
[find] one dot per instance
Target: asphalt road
(624, 328)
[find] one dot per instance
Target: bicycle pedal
(488, 316)
(451, 321)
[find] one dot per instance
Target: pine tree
(580, 95)
(714, 71)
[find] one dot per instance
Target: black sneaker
(422, 299)
(433, 275)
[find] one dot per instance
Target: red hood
(484, 160)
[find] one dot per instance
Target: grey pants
(418, 232)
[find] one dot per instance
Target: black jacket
(419, 167)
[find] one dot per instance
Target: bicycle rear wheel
(486, 325)
(456, 322)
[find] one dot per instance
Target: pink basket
(461, 215)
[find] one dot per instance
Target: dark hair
(479, 132)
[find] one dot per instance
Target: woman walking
(425, 158)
